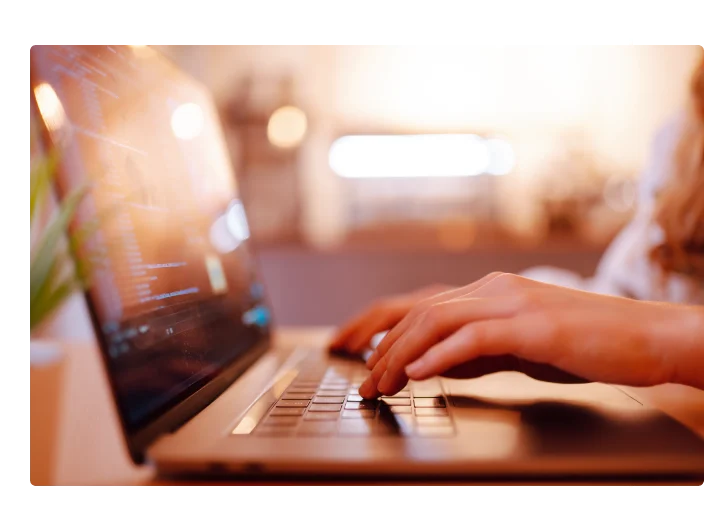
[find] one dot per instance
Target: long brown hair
(680, 205)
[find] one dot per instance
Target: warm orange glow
(456, 235)
(143, 52)
(286, 127)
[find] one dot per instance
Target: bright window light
(501, 157)
(414, 156)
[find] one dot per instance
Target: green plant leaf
(40, 178)
(59, 273)
(39, 311)
(41, 264)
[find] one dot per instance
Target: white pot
(46, 369)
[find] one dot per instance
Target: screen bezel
(138, 439)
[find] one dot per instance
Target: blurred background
(520, 157)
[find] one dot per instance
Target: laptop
(180, 312)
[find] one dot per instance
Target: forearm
(683, 342)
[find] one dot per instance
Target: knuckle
(525, 299)
(417, 311)
(473, 335)
(432, 318)
(510, 280)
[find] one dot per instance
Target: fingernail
(383, 382)
(415, 369)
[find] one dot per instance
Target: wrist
(682, 345)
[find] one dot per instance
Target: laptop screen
(173, 289)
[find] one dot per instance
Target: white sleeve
(626, 269)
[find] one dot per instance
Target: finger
(398, 330)
(342, 335)
(438, 322)
(368, 389)
(357, 334)
(483, 338)
(482, 366)
(383, 321)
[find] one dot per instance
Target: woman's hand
(507, 322)
(355, 335)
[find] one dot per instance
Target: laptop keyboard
(327, 403)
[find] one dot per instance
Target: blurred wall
(325, 288)
(609, 99)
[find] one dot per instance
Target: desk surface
(89, 443)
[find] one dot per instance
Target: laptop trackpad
(568, 418)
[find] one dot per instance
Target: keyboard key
(308, 379)
(354, 398)
(439, 411)
(317, 429)
(426, 389)
(333, 393)
(298, 395)
(299, 387)
(336, 379)
(329, 399)
(362, 405)
(325, 407)
(433, 421)
(288, 411)
(358, 414)
(427, 393)
(435, 431)
(356, 427)
(402, 394)
(392, 402)
(354, 391)
(311, 373)
(402, 410)
(429, 402)
(321, 417)
(281, 421)
(293, 403)
(340, 375)
(335, 387)
(337, 371)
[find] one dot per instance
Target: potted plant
(55, 274)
